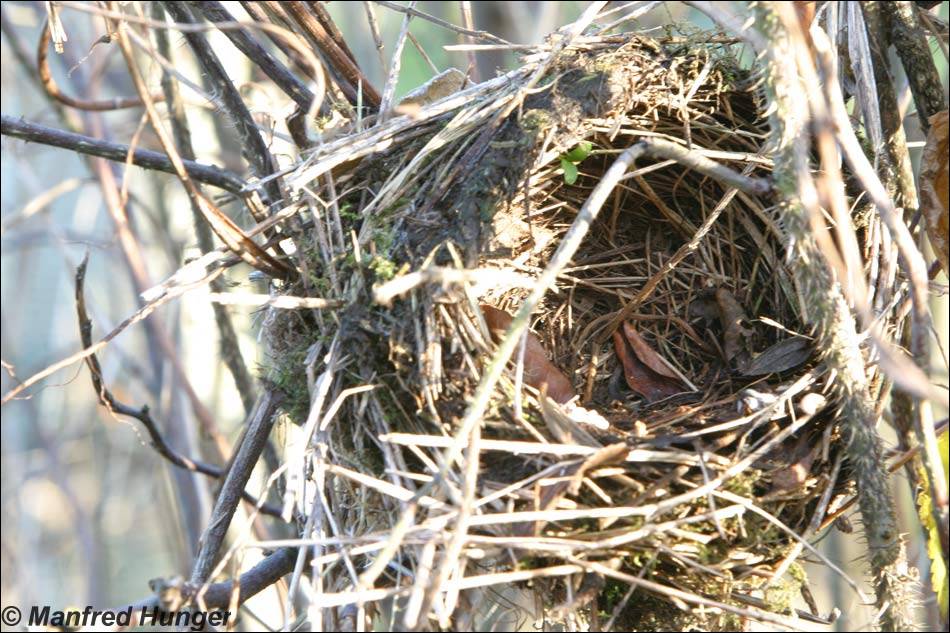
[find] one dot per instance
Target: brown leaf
(934, 185)
(538, 368)
(733, 317)
(780, 357)
(640, 376)
(645, 353)
(793, 475)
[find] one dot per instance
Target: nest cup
(690, 264)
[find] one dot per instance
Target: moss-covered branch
(825, 302)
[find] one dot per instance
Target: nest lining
(505, 207)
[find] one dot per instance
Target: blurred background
(90, 511)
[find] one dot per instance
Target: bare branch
(143, 414)
(232, 490)
(145, 158)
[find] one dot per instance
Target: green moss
(288, 375)
(349, 213)
(780, 596)
(536, 119)
(383, 268)
(743, 484)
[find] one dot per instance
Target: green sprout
(570, 160)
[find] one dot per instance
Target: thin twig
(143, 414)
(140, 314)
(374, 30)
(52, 88)
(482, 35)
(469, 22)
(395, 62)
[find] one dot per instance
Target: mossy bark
(835, 326)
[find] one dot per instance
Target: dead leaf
(737, 335)
(538, 368)
(793, 475)
(780, 357)
(645, 353)
(934, 182)
(639, 360)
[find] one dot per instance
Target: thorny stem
(835, 325)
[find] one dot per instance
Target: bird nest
(659, 430)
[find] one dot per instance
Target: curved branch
(142, 415)
(52, 89)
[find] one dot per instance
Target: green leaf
(938, 570)
(570, 171)
(579, 153)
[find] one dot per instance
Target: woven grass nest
(690, 489)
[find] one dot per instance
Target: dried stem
(214, 11)
(253, 147)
